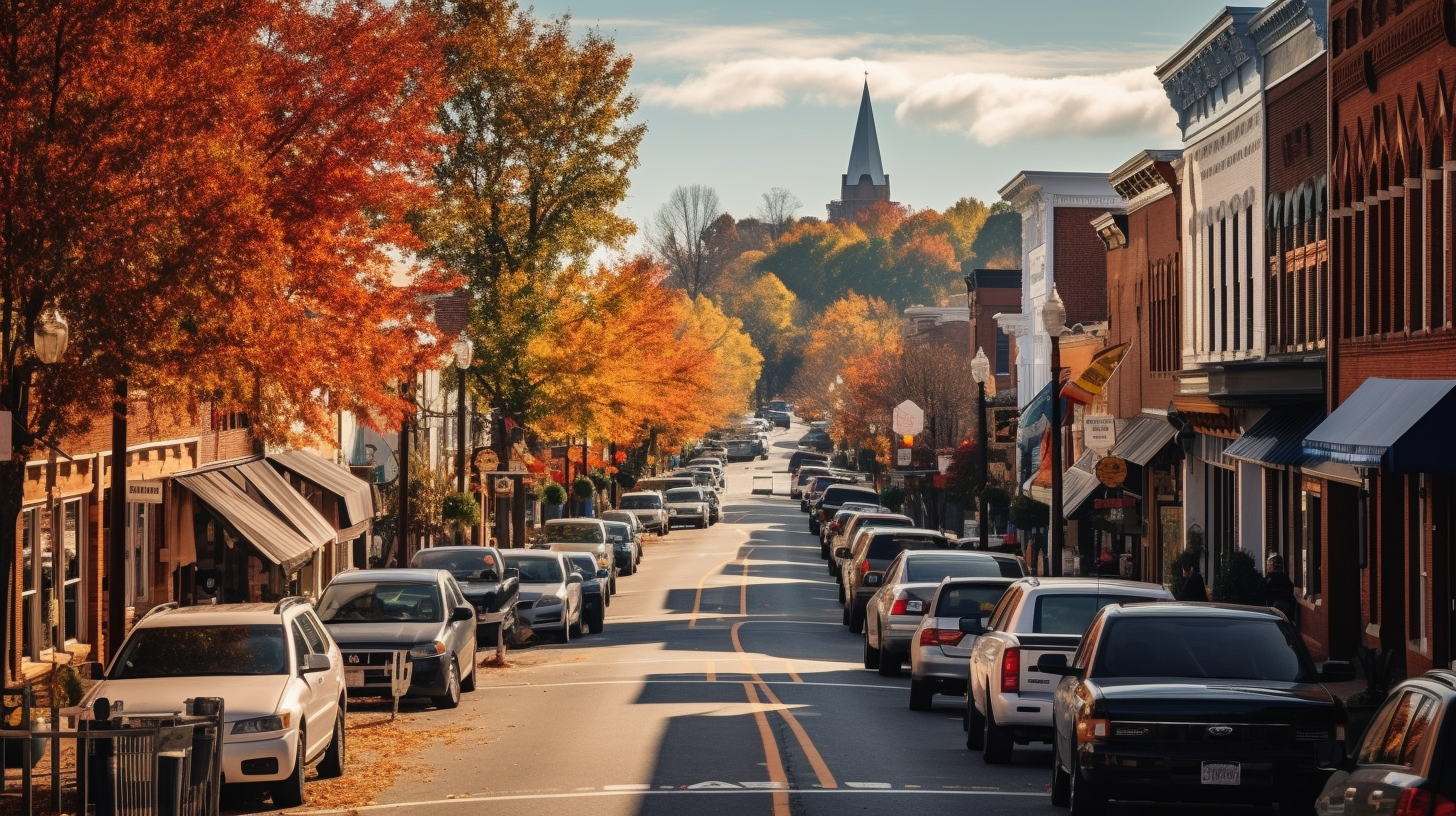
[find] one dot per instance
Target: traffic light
(907, 441)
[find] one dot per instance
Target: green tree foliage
(1237, 580)
(541, 145)
(997, 244)
(769, 313)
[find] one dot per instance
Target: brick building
(989, 293)
(1391, 349)
(1143, 287)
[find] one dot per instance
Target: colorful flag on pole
(1094, 377)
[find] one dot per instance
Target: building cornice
(1283, 17)
(1204, 61)
(1111, 228)
(1012, 324)
(1057, 189)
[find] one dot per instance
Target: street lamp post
(981, 372)
(464, 353)
(1053, 316)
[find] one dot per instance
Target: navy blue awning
(1400, 426)
(1277, 439)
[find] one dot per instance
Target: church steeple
(864, 154)
(866, 182)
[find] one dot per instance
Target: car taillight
(1092, 730)
(864, 567)
(833, 526)
(898, 607)
(1417, 802)
(940, 637)
(1011, 670)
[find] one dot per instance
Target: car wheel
(451, 697)
(839, 589)
(856, 620)
(921, 694)
(823, 551)
(565, 632)
(467, 683)
(889, 662)
(574, 629)
(613, 582)
(998, 742)
(871, 654)
(829, 567)
(975, 726)
(491, 635)
(844, 613)
(332, 765)
(1061, 784)
(289, 793)
(1084, 798)
(596, 623)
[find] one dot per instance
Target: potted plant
(553, 495)
(1190, 559)
(893, 497)
(461, 511)
(584, 489)
(1236, 580)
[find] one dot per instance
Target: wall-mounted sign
(1112, 471)
(148, 492)
(1099, 433)
(902, 457)
(486, 460)
(504, 484)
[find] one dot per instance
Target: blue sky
(755, 94)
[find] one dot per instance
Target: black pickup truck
(488, 586)
(1195, 703)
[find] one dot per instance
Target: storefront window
(73, 533)
(138, 556)
(1307, 561)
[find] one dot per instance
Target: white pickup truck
(1008, 701)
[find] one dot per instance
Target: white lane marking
(690, 682)
(868, 785)
(670, 791)
(763, 785)
(633, 787)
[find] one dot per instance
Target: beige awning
(250, 520)
(288, 503)
(355, 493)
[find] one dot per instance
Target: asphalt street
(723, 684)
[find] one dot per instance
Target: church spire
(864, 155)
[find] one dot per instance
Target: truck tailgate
(1032, 648)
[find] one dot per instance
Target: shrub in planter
(1237, 580)
(893, 498)
(1029, 514)
(553, 493)
(582, 487)
(460, 510)
(601, 480)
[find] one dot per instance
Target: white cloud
(985, 92)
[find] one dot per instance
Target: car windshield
(886, 547)
(961, 601)
(681, 494)
(365, 601)
(585, 563)
(641, 503)
(1201, 648)
(574, 532)
(839, 495)
(464, 564)
(536, 570)
(1069, 614)
(618, 533)
(619, 517)
(198, 651)
(933, 568)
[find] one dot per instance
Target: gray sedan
(550, 592)
(894, 611)
(940, 653)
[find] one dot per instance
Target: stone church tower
(866, 182)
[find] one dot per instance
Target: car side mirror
(462, 613)
(317, 663)
(1056, 664)
(973, 625)
(873, 579)
(1336, 671)
(603, 574)
(841, 552)
(512, 572)
(574, 578)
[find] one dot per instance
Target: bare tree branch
(778, 210)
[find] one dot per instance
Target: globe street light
(464, 351)
(1053, 318)
(981, 372)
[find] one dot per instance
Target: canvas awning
(288, 503)
(1142, 437)
(1277, 439)
(1399, 426)
(1079, 482)
(250, 520)
(355, 494)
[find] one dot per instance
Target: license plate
(914, 606)
(353, 678)
(1220, 773)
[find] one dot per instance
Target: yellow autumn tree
(853, 325)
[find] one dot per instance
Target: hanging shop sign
(1112, 471)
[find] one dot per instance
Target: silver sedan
(550, 599)
(895, 610)
(940, 653)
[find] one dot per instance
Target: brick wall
(1295, 113)
(1081, 264)
(1152, 234)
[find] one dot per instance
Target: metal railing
(145, 764)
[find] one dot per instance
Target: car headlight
(263, 725)
(672, 511)
(428, 649)
(548, 600)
